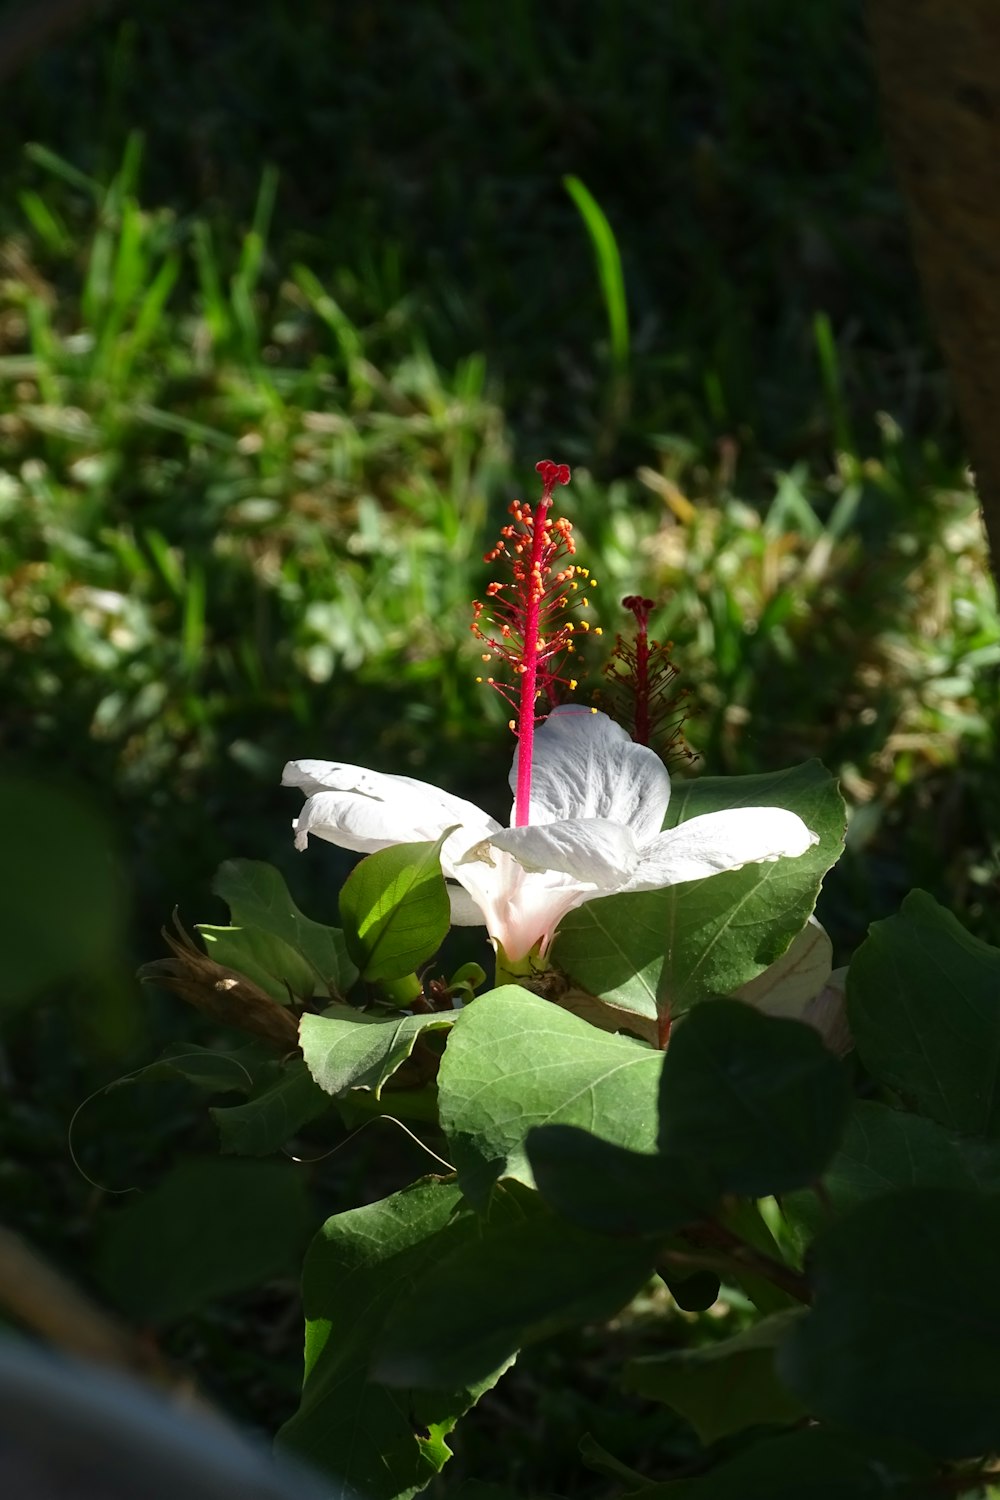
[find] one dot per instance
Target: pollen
(524, 618)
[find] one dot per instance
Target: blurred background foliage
(292, 297)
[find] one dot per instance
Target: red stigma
(552, 474)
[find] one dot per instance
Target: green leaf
(923, 1002)
(362, 1266)
(395, 910)
(608, 1189)
(757, 1101)
(350, 1049)
(232, 1072)
(208, 1229)
(514, 1060)
(749, 1104)
(884, 1149)
(671, 948)
(810, 1465)
(274, 1113)
(902, 1337)
(267, 960)
(522, 1276)
(721, 1388)
(258, 897)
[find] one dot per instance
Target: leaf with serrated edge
(349, 1049)
(514, 1060)
(671, 948)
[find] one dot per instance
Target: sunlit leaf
(513, 1061)
(352, 1049)
(666, 950)
(395, 910)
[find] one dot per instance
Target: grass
(288, 312)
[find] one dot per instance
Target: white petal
(794, 979)
(585, 766)
(366, 810)
(336, 776)
(521, 910)
(828, 1013)
(720, 841)
(465, 911)
(592, 849)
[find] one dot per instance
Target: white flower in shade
(596, 813)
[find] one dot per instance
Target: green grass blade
(50, 162)
(609, 269)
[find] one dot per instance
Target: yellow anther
(486, 656)
(572, 684)
(586, 603)
(479, 679)
(584, 624)
(598, 630)
(511, 725)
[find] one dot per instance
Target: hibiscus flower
(594, 828)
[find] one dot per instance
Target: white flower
(597, 806)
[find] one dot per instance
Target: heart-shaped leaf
(515, 1060)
